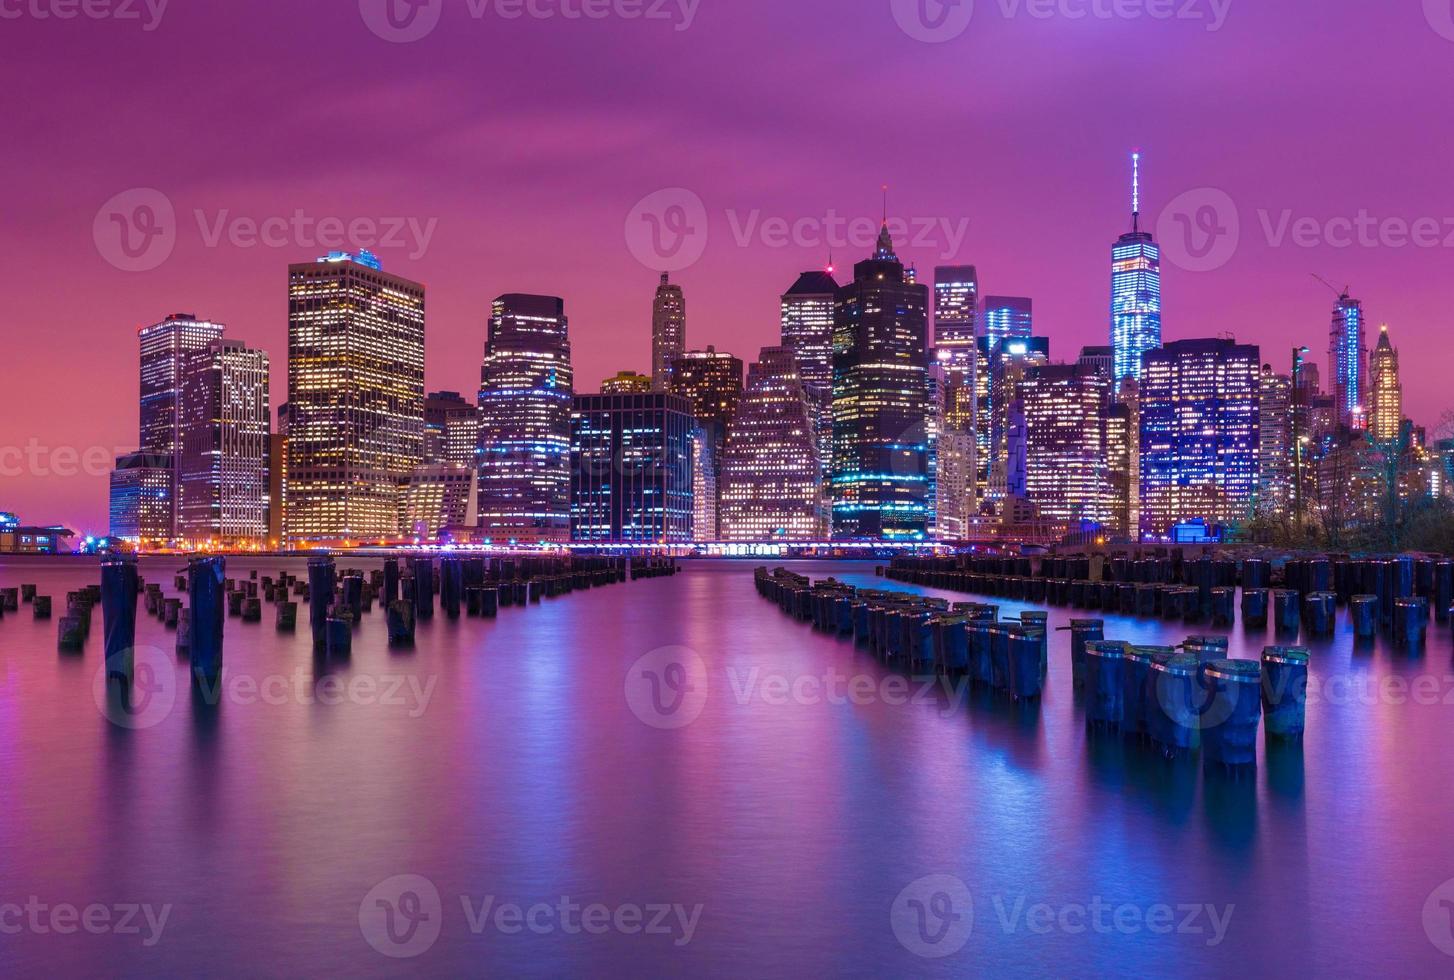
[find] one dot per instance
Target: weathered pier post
(205, 585)
(322, 583)
(1285, 691)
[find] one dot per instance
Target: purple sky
(525, 143)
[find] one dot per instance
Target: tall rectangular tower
(223, 466)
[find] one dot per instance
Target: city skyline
(544, 211)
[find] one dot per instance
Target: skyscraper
(1200, 439)
(1065, 442)
(880, 356)
(711, 381)
(956, 302)
(1135, 290)
(1275, 452)
(222, 470)
(1347, 356)
(772, 488)
(1008, 367)
(1123, 460)
(631, 469)
(526, 387)
(807, 331)
(355, 394)
(142, 509)
(1386, 413)
(957, 359)
(451, 429)
(1008, 318)
(668, 330)
(166, 350)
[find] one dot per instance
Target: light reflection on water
(526, 775)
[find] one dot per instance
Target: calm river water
(510, 798)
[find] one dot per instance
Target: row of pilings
(1399, 596)
(1179, 701)
(338, 599)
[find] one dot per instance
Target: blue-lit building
(631, 469)
(1200, 403)
(1348, 361)
(1007, 318)
(880, 477)
(1135, 292)
(526, 387)
(142, 506)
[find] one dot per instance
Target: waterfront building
(772, 488)
(712, 383)
(1275, 452)
(222, 475)
(356, 397)
(1200, 406)
(807, 330)
(526, 387)
(1135, 291)
(437, 496)
(141, 505)
(880, 359)
(631, 469)
(278, 479)
(668, 330)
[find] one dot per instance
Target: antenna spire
(886, 203)
(1136, 190)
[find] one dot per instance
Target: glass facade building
(355, 396)
(772, 488)
(1200, 433)
(451, 430)
(526, 388)
(880, 402)
(1066, 454)
(141, 498)
(631, 469)
(807, 331)
(1347, 359)
(1135, 292)
(1008, 318)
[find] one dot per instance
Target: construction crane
(1343, 294)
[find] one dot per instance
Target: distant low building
(17, 539)
(436, 497)
(142, 486)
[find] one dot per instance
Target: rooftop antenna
(886, 203)
(1135, 191)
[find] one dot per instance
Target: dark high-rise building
(1347, 362)
(1275, 444)
(880, 402)
(631, 469)
(451, 430)
(526, 387)
(222, 475)
(668, 330)
(356, 397)
(1200, 433)
(1101, 360)
(1007, 318)
(711, 381)
(807, 331)
(1135, 291)
(772, 488)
